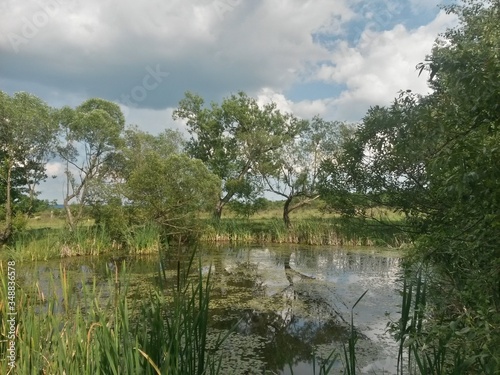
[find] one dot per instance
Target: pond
(286, 304)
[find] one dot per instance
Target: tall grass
(86, 333)
(350, 349)
(431, 345)
(49, 243)
(313, 231)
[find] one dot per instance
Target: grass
(432, 346)
(49, 243)
(333, 231)
(47, 237)
(79, 331)
(84, 333)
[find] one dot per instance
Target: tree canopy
(27, 134)
(435, 158)
(91, 135)
(233, 137)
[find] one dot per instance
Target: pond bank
(49, 243)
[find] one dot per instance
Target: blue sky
(333, 58)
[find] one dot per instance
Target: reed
(313, 231)
(84, 332)
(350, 349)
(430, 344)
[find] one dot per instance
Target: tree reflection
(292, 321)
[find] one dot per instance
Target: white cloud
(379, 66)
(102, 48)
(54, 168)
(305, 109)
(154, 121)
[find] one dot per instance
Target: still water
(288, 304)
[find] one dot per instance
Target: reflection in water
(285, 303)
(299, 300)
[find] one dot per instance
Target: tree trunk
(218, 210)
(220, 205)
(69, 215)
(286, 212)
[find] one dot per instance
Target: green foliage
(139, 144)
(233, 138)
(435, 158)
(292, 170)
(81, 332)
(173, 191)
(91, 137)
(247, 209)
(27, 133)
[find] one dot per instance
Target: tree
(139, 144)
(92, 136)
(384, 163)
(292, 170)
(435, 158)
(173, 191)
(113, 208)
(27, 133)
(232, 138)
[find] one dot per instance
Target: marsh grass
(429, 345)
(81, 331)
(49, 243)
(312, 231)
(350, 349)
(47, 237)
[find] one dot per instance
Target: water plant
(80, 329)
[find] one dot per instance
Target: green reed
(76, 329)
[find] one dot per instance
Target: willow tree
(27, 133)
(435, 158)
(91, 135)
(233, 137)
(173, 191)
(292, 171)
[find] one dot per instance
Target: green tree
(435, 158)
(112, 206)
(138, 144)
(173, 191)
(292, 170)
(27, 133)
(232, 138)
(91, 137)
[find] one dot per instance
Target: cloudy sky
(334, 58)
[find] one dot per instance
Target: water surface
(287, 304)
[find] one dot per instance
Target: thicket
(434, 158)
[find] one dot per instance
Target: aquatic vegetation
(83, 333)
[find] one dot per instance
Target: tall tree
(91, 136)
(292, 171)
(173, 191)
(138, 144)
(27, 133)
(233, 137)
(435, 158)
(115, 202)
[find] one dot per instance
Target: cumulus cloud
(54, 168)
(145, 55)
(305, 109)
(105, 50)
(379, 66)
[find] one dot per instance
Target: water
(284, 302)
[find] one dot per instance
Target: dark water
(289, 304)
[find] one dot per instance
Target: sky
(332, 58)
